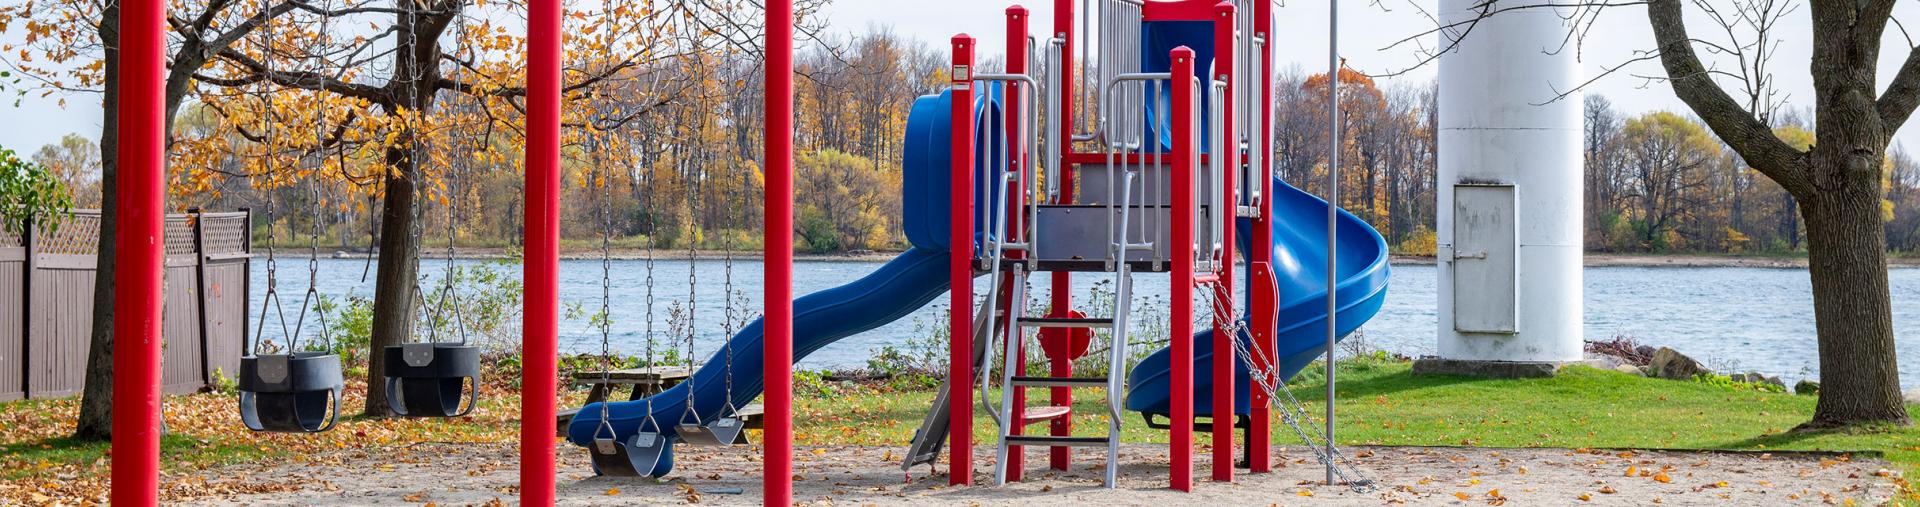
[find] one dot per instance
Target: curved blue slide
(892, 292)
(895, 290)
(1300, 271)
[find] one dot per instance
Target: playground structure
(1144, 181)
(1155, 166)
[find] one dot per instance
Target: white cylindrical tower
(1510, 162)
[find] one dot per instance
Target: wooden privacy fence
(46, 302)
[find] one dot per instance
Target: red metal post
(1181, 381)
(1016, 64)
(1223, 332)
(777, 464)
(140, 239)
(541, 323)
(1061, 292)
(960, 274)
(1262, 294)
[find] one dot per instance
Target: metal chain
(450, 295)
(652, 229)
(413, 125)
(1293, 412)
(319, 204)
(606, 280)
(727, 214)
(268, 133)
(693, 266)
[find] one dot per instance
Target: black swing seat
(433, 379)
(638, 455)
(297, 393)
(727, 430)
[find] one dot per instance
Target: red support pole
(1016, 64)
(1181, 381)
(777, 465)
(1223, 332)
(1262, 294)
(960, 273)
(540, 328)
(1061, 292)
(140, 240)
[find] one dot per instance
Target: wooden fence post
(27, 240)
(199, 220)
(246, 280)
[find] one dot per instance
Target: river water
(1732, 318)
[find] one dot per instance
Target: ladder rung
(1065, 322)
(1060, 381)
(1044, 413)
(1052, 441)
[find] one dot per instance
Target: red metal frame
(1060, 458)
(1180, 10)
(1223, 331)
(960, 270)
(540, 327)
(140, 241)
(777, 464)
(1181, 377)
(1016, 64)
(1262, 293)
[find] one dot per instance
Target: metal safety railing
(1013, 157)
(1116, 25)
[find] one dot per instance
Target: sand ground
(455, 474)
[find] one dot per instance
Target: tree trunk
(96, 397)
(393, 301)
(1859, 377)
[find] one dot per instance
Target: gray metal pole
(1333, 206)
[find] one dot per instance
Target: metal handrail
(1217, 170)
(1031, 136)
(1116, 162)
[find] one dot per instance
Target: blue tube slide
(1300, 271)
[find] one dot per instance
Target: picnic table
(642, 382)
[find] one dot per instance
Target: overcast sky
(1302, 42)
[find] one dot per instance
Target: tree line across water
(687, 176)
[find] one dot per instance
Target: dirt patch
(449, 474)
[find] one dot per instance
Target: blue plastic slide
(897, 289)
(1299, 265)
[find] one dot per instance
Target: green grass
(1380, 402)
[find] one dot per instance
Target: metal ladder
(1013, 370)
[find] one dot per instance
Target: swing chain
(320, 140)
(1292, 411)
(606, 274)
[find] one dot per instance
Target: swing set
(294, 390)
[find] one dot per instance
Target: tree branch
(1735, 125)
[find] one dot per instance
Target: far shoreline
(1592, 260)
